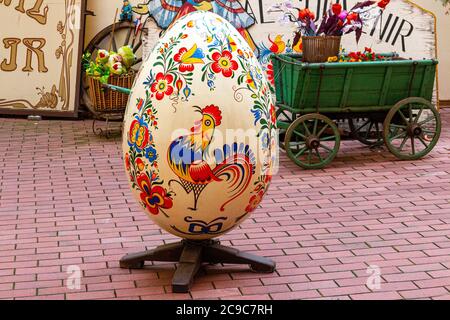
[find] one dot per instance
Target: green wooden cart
(378, 101)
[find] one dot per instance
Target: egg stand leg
(191, 255)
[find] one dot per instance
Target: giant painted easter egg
(199, 132)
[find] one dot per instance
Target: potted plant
(113, 68)
(321, 41)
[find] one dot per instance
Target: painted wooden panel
(40, 56)
(405, 27)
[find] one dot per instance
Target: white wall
(443, 32)
(105, 15)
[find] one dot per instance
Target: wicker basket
(319, 49)
(108, 101)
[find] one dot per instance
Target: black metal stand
(191, 255)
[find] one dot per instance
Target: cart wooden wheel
(312, 141)
(123, 35)
(368, 131)
(412, 128)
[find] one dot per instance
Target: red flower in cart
(352, 17)
(162, 85)
(306, 13)
(223, 62)
(153, 198)
(383, 3)
(336, 8)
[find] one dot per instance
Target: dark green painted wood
(369, 86)
(347, 85)
(386, 86)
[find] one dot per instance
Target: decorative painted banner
(39, 56)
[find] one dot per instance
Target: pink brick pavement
(64, 200)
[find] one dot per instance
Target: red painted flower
(267, 179)
(273, 114)
(383, 3)
(140, 164)
(223, 63)
(270, 74)
(140, 104)
(138, 136)
(254, 202)
(127, 162)
(154, 198)
(162, 85)
(179, 58)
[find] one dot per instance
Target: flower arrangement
(335, 22)
(367, 55)
(108, 64)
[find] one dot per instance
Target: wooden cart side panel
(354, 89)
(278, 79)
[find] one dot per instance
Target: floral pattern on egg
(201, 80)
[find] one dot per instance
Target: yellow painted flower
(333, 59)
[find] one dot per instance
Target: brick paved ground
(64, 200)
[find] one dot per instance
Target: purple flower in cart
(343, 15)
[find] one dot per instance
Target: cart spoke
(403, 143)
(413, 146)
(299, 134)
(429, 131)
(410, 112)
(114, 43)
(419, 114)
(127, 39)
(318, 155)
(322, 131)
(393, 125)
(309, 155)
(423, 142)
(137, 46)
(403, 116)
(301, 152)
(426, 120)
(316, 122)
(326, 148)
(401, 135)
(306, 129)
(329, 138)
